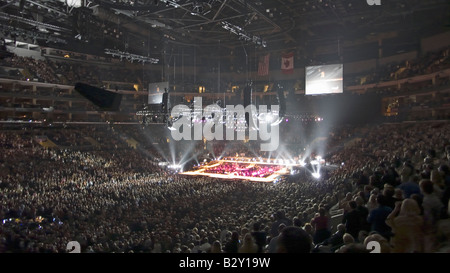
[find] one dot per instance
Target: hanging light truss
(243, 35)
(130, 57)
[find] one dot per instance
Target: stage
(244, 168)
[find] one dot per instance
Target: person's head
(381, 200)
(248, 238)
(444, 169)
(359, 201)
(417, 198)
(407, 170)
(352, 204)
(372, 198)
(279, 214)
(409, 207)
(294, 240)
(415, 179)
(235, 236)
(388, 190)
(281, 227)
(322, 211)
(341, 227)
(297, 222)
(348, 196)
(308, 228)
(426, 186)
(216, 247)
(348, 238)
(398, 193)
(257, 226)
(367, 188)
(436, 178)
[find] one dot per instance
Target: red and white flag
(287, 63)
(263, 66)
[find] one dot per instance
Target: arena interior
(141, 126)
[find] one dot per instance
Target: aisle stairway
(45, 142)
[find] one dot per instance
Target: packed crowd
(66, 72)
(392, 187)
(427, 64)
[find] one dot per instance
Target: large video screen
(324, 79)
(156, 91)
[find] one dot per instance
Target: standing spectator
(216, 247)
(309, 229)
(206, 245)
(343, 204)
(377, 218)
(406, 173)
(407, 227)
(372, 203)
(259, 236)
(388, 192)
(432, 209)
(411, 186)
(294, 240)
(233, 244)
(279, 218)
(320, 224)
(352, 220)
(363, 212)
(248, 245)
(273, 243)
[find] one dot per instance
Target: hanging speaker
(281, 101)
(165, 102)
(104, 99)
(247, 101)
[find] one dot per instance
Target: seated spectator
(347, 239)
(336, 240)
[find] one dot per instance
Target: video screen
(324, 79)
(156, 91)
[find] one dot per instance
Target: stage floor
(243, 168)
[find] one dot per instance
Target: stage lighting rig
(130, 57)
(172, 3)
(243, 35)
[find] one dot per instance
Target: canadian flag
(287, 63)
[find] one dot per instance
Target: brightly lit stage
(243, 168)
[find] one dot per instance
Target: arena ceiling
(268, 25)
